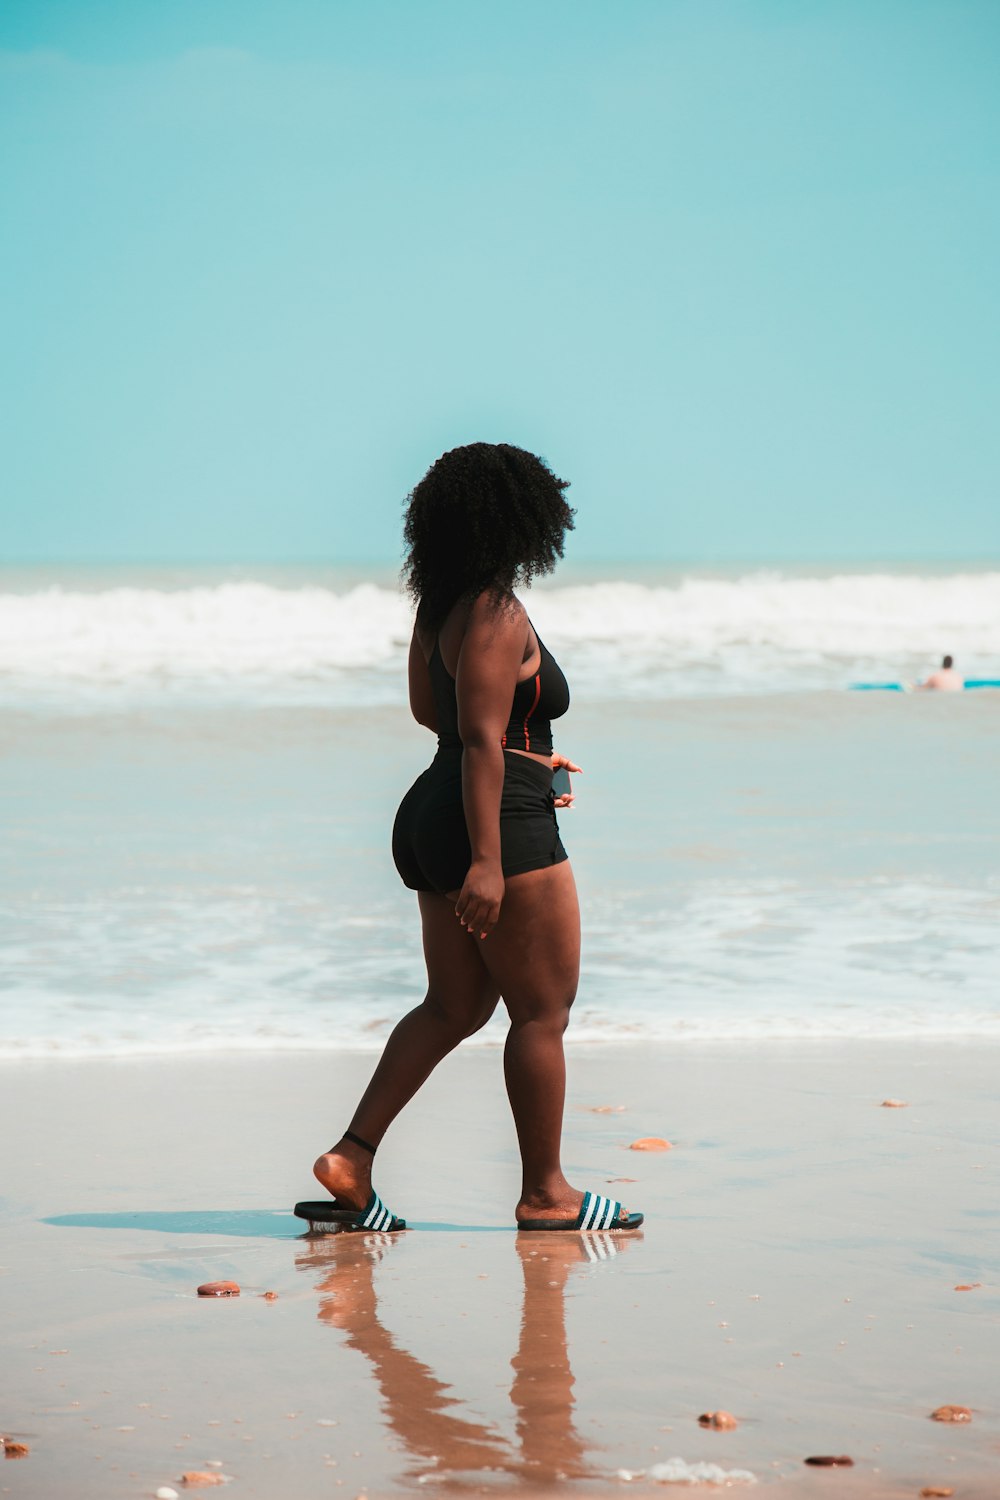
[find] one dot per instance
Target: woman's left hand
(563, 761)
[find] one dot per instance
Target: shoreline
(214, 1053)
(797, 1268)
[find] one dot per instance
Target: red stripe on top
(531, 710)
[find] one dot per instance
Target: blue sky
(730, 266)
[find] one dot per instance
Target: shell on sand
(651, 1143)
(270, 1296)
(968, 1286)
(196, 1477)
(722, 1421)
(218, 1289)
(14, 1450)
(607, 1109)
(830, 1461)
(951, 1414)
(894, 1104)
(936, 1491)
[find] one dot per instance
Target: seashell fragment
(968, 1286)
(651, 1143)
(721, 1421)
(936, 1491)
(829, 1461)
(196, 1477)
(894, 1104)
(218, 1289)
(951, 1414)
(14, 1450)
(270, 1296)
(166, 1493)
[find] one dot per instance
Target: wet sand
(797, 1269)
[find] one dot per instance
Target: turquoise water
(801, 864)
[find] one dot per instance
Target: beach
(789, 897)
(797, 1268)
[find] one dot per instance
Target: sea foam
(253, 641)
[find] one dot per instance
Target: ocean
(199, 771)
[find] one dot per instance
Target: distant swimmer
(944, 680)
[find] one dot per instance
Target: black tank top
(537, 701)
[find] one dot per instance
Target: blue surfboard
(907, 687)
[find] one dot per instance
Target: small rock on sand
(270, 1296)
(936, 1491)
(201, 1477)
(218, 1289)
(951, 1414)
(14, 1450)
(721, 1421)
(606, 1109)
(968, 1286)
(894, 1104)
(830, 1461)
(651, 1143)
(166, 1493)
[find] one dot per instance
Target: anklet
(350, 1136)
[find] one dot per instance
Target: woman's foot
(561, 1205)
(562, 1202)
(346, 1173)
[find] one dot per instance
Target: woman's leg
(533, 955)
(461, 997)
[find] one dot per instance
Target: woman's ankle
(551, 1191)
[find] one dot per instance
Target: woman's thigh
(458, 981)
(533, 953)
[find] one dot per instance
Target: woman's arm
(488, 664)
(421, 694)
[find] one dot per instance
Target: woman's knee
(550, 1010)
(463, 1019)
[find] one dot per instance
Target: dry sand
(797, 1269)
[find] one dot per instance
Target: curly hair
(485, 518)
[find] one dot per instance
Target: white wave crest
(258, 642)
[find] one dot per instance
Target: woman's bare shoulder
(492, 613)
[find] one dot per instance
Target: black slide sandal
(596, 1212)
(325, 1216)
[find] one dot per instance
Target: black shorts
(430, 842)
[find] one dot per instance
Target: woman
(476, 835)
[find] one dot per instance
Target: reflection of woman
(420, 1408)
(418, 1405)
(476, 835)
(542, 1388)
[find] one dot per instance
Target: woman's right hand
(478, 904)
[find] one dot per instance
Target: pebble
(195, 1477)
(218, 1289)
(14, 1450)
(894, 1104)
(166, 1493)
(934, 1491)
(951, 1414)
(829, 1461)
(722, 1421)
(651, 1143)
(270, 1296)
(967, 1286)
